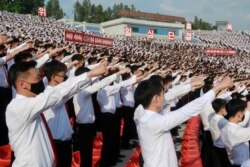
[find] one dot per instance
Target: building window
(135, 29)
(155, 31)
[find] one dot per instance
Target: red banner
(42, 11)
(71, 36)
(171, 36)
(213, 51)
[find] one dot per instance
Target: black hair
(53, 67)
(234, 106)
(81, 70)
(2, 47)
(218, 104)
(145, 91)
(22, 56)
(156, 78)
(208, 84)
(248, 97)
(91, 60)
(18, 69)
(77, 57)
(167, 79)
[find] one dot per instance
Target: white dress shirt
(127, 96)
(83, 104)
(92, 66)
(58, 121)
(105, 96)
(173, 94)
(154, 131)
(2, 60)
(176, 92)
(3, 73)
(216, 123)
(246, 163)
(226, 96)
(235, 139)
(42, 60)
(117, 95)
(71, 71)
(27, 133)
(206, 116)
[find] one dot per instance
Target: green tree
(78, 12)
(86, 4)
(54, 10)
(198, 23)
(21, 6)
(95, 13)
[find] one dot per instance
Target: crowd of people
(236, 40)
(56, 95)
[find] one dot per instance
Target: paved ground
(128, 153)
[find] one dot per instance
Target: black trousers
(129, 131)
(5, 98)
(221, 155)
(118, 118)
(206, 149)
(86, 133)
(64, 152)
(108, 155)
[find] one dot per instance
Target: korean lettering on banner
(189, 26)
(128, 31)
(89, 39)
(171, 36)
(188, 36)
(42, 11)
(150, 33)
(212, 51)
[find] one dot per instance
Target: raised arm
(173, 119)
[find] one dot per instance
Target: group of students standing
(40, 95)
(39, 128)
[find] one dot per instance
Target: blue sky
(235, 11)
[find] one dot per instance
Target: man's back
(28, 136)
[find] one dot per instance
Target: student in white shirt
(154, 127)
(234, 137)
(128, 102)
(80, 60)
(216, 123)
(85, 117)
(5, 88)
(28, 134)
(106, 100)
(57, 117)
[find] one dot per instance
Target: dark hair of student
(234, 106)
(146, 90)
(81, 70)
(218, 104)
(19, 69)
(77, 57)
(22, 56)
(167, 79)
(53, 68)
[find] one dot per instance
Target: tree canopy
(198, 23)
(21, 6)
(86, 11)
(54, 10)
